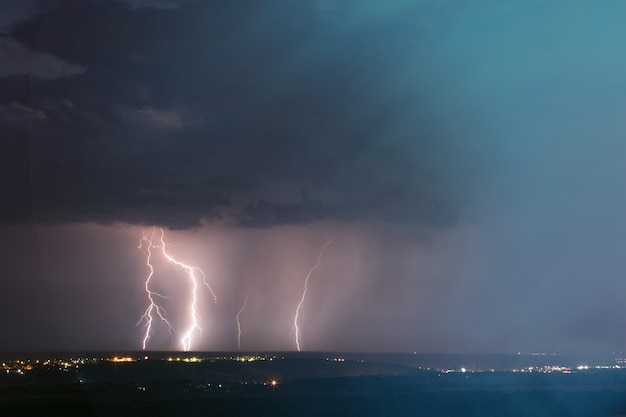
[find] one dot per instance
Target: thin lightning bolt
(245, 303)
(306, 287)
(194, 274)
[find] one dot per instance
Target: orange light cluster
(124, 359)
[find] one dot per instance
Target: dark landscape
(311, 384)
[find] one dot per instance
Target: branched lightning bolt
(245, 303)
(192, 273)
(306, 287)
(153, 307)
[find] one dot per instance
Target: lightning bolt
(153, 307)
(306, 288)
(245, 303)
(194, 273)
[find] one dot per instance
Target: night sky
(467, 158)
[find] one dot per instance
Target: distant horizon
(180, 353)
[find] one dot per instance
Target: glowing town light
(306, 287)
(245, 303)
(194, 274)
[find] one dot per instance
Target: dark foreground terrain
(305, 386)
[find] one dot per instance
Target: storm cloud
(171, 113)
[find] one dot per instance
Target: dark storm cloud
(15, 113)
(266, 214)
(155, 4)
(15, 59)
(157, 108)
(13, 11)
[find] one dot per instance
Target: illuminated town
(276, 383)
(73, 365)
